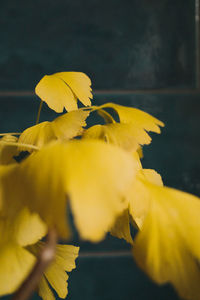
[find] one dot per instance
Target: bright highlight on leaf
(62, 90)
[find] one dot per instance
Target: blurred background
(140, 53)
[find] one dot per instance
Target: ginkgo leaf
(121, 228)
(80, 84)
(61, 90)
(97, 193)
(130, 132)
(87, 171)
(56, 274)
(16, 264)
(64, 127)
(8, 152)
(29, 228)
(138, 203)
(136, 117)
(44, 290)
(168, 245)
(21, 227)
(124, 135)
(140, 152)
(138, 195)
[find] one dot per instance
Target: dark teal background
(141, 53)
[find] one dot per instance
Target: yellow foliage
(167, 247)
(121, 228)
(61, 90)
(85, 171)
(7, 152)
(130, 133)
(101, 178)
(64, 127)
(56, 273)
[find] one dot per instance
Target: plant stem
(16, 144)
(39, 111)
(10, 133)
(45, 257)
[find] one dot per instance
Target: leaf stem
(20, 145)
(44, 259)
(39, 112)
(10, 133)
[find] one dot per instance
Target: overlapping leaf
(130, 133)
(121, 228)
(138, 195)
(64, 127)
(56, 276)
(93, 174)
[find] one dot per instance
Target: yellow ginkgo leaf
(138, 195)
(21, 227)
(16, 263)
(29, 228)
(44, 290)
(64, 127)
(140, 152)
(96, 190)
(124, 135)
(130, 132)
(121, 228)
(168, 245)
(61, 90)
(8, 152)
(56, 274)
(136, 117)
(94, 175)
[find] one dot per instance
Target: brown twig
(45, 257)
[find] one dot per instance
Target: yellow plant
(97, 171)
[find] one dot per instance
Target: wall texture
(141, 53)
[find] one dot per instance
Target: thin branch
(16, 144)
(10, 133)
(39, 112)
(44, 259)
